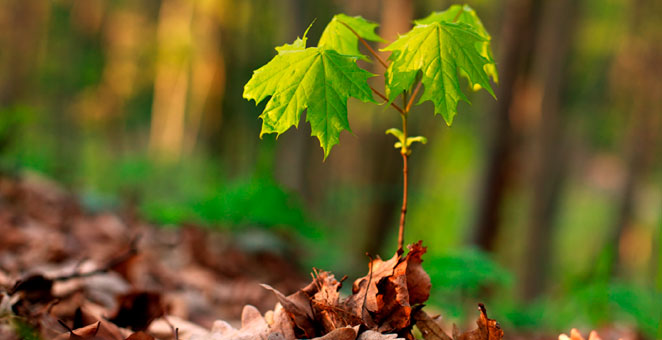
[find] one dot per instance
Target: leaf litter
(71, 275)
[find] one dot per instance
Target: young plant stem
(383, 96)
(413, 96)
(457, 16)
(404, 151)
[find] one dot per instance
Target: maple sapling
(431, 57)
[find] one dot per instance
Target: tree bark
(515, 47)
(636, 81)
(552, 50)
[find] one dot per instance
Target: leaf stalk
(365, 43)
(383, 96)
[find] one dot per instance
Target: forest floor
(66, 273)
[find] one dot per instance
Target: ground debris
(70, 275)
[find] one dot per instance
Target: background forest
(546, 203)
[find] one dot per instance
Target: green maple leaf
(337, 36)
(318, 79)
(467, 15)
(441, 50)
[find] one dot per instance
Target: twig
(365, 296)
(413, 96)
(365, 43)
(173, 329)
(457, 16)
(381, 95)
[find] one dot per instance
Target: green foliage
(337, 35)
(592, 302)
(257, 202)
(438, 50)
(462, 275)
(402, 140)
(315, 78)
(441, 47)
(465, 14)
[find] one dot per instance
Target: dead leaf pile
(388, 300)
(67, 274)
(75, 274)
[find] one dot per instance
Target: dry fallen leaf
(576, 335)
(300, 310)
(345, 333)
(429, 327)
(140, 336)
(488, 329)
(280, 323)
(372, 335)
(137, 310)
(253, 327)
(382, 300)
(100, 330)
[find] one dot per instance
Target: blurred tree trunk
(189, 70)
(207, 70)
(384, 164)
(171, 83)
(20, 33)
(636, 75)
(553, 46)
(23, 25)
(514, 48)
(294, 148)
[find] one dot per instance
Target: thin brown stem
(404, 151)
(457, 16)
(383, 96)
(365, 43)
(403, 210)
(413, 96)
(404, 101)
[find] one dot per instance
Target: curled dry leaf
(382, 301)
(390, 291)
(100, 330)
(429, 327)
(253, 327)
(488, 329)
(299, 308)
